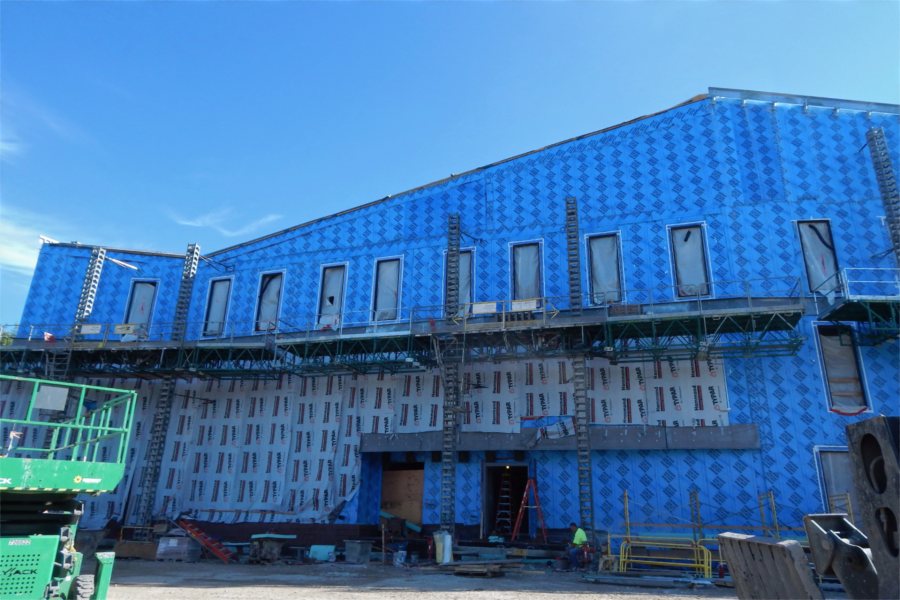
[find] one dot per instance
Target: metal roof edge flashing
(804, 100)
(116, 250)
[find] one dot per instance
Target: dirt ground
(138, 579)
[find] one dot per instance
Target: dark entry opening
(503, 489)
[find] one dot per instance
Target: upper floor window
(140, 303)
(386, 296)
(526, 271)
(605, 264)
(268, 301)
(819, 256)
(842, 373)
(689, 258)
(217, 307)
(331, 296)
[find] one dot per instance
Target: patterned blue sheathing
(747, 169)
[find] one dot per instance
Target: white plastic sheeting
(819, 256)
(841, 370)
(288, 449)
(269, 299)
(669, 393)
(490, 398)
(690, 261)
(387, 290)
(604, 255)
(527, 271)
(331, 298)
(141, 305)
(217, 307)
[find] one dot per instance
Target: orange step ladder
(532, 487)
(213, 545)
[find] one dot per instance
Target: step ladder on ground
(213, 545)
(531, 486)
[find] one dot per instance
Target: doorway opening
(504, 485)
(402, 487)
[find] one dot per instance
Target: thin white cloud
(20, 231)
(23, 118)
(10, 145)
(9, 149)
(216, 220)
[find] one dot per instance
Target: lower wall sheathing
(287, 450)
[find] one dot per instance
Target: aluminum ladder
(160, 426)
(887, 184)
(582, 418)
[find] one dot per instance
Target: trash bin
(357, 551)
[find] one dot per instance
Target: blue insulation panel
(745, 168)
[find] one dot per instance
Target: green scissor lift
(72, 439)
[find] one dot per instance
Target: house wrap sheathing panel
(741, 169)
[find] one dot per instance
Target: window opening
(268, 301)
(526, 271)
(691, 275)
(331, 297)
(819, 256)
(140, 305)
(387, 289)
(842, 374)
(217, 307)
(603, 253)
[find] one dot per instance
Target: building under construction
(688, 307)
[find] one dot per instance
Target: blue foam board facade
(745, 167)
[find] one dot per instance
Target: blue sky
(152, 125)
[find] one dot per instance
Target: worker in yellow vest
(579, 539)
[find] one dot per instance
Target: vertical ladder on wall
(583, 444)
(90, 284)
(503, 516)
(887, 184)
(59, 359)
(449, 438)
(573, 254)
(582, 418)
(143, 514)
(160, 426)
(451, 300)
(183, 303)
(531, 486)
(449, 356)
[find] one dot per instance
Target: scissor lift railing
(72, 424)
(69, 439)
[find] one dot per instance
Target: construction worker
(579, 540)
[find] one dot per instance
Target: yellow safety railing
(660, 553)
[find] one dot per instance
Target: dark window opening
(268, 302)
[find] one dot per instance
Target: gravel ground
(207, 580)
